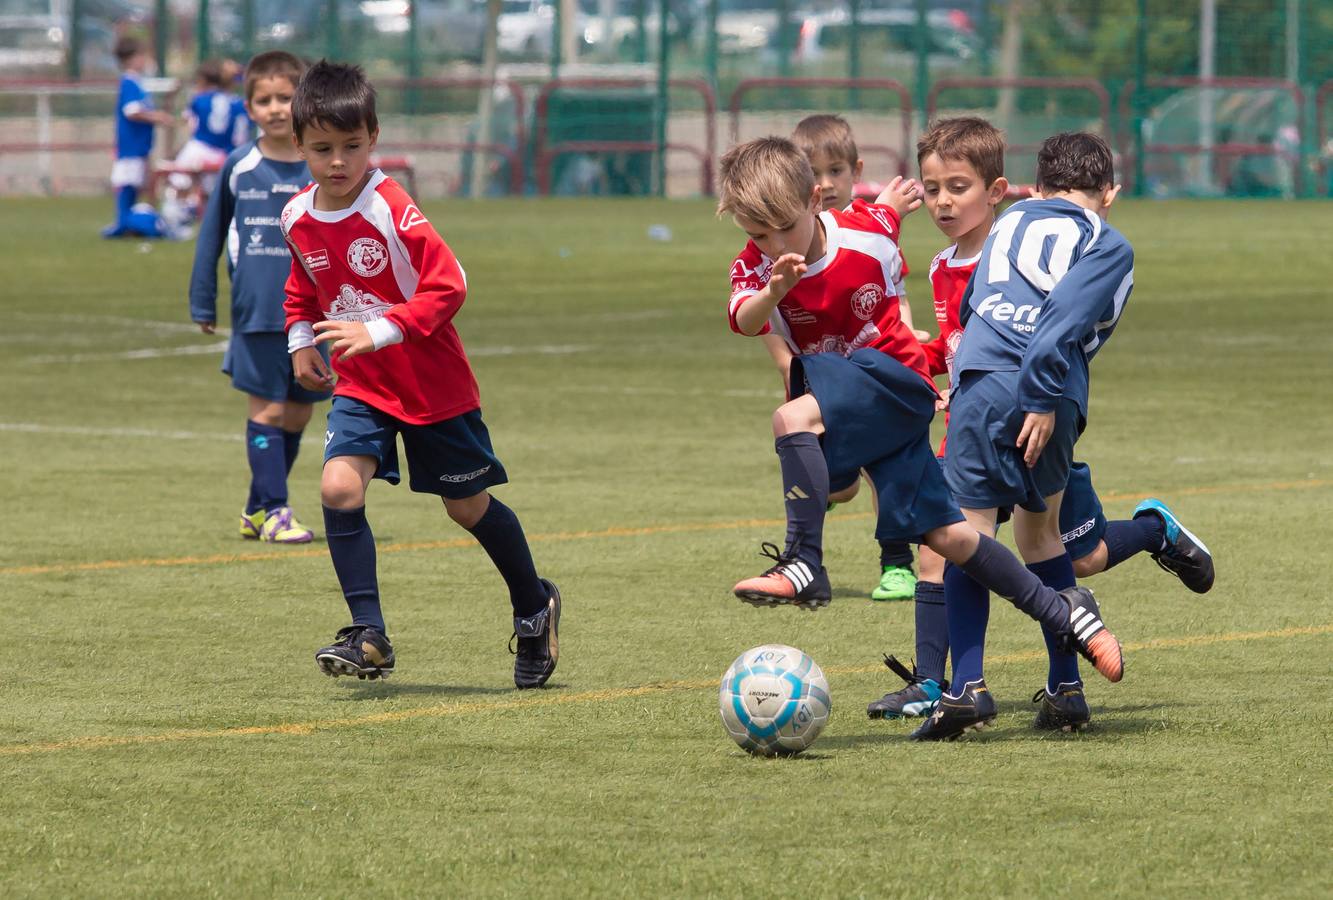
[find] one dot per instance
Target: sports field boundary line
(550, 699)
(280, 554)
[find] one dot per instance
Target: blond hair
(968, 138)
(768, 181)
(827, 134)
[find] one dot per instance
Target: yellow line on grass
(551, 698)
(286, 553)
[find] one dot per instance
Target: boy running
(256, 182)
(961, 161)
(372, 279)
(862, 393)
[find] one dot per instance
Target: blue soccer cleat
(1184, 555)
(918, 698)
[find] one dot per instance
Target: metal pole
(334, 29)
(202, 43)
(413, 55)
(1140, 68)
(1207, 70)
(641, 31)
(784, 38)
(710, 49)
(74, 63)
(248, 28)
(663, 78)
(922, 57)
(161, 26)
(854, 52)
(557, 37)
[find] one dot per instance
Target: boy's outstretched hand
(311, 370)
(903, 194)
(1036, 431)
(787, 270)
(345, 339)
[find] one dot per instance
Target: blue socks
(967, 609)
(291, 445)
(932, 630)
(1127, 537)
(895, 553)
(805, 490)
(265, 450)
(501, 536)
(994, 567)
(1057, 574)
(352, 547)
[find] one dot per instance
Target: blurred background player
(135, 120)
(961, 161)
(374, 280)
(256, 182)
(827, 142)
(218, 124)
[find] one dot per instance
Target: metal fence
(1200, 97)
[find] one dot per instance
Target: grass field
(165, 730)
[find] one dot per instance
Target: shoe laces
(781, 559)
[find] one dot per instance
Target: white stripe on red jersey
(381, 259)
(847, 299)
(948, 282)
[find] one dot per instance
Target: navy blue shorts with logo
(1082, 522)
(452, 458)
(984, 467)
(260, 365)
(877, 414)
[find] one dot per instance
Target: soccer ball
(774, 700)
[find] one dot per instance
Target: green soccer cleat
(252, 524)
(895, 583)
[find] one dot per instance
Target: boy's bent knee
(342, 486)
(468, 511)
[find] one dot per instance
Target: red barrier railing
(899, 154)
(512, 155)
(1125, 110)
(545, 155)
(1321, 131)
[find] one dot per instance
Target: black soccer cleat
(1089, 635)
(1184, 555)
(974, 709)
(917, 699)
(791, 582)
(359, 650)
(1065, 710)
(538, 638)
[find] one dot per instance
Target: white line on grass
(35, 428)
(147, 353)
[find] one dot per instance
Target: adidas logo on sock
(795, 493)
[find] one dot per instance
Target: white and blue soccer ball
(774, 700)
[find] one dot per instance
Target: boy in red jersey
(372, 279)
(862, 392)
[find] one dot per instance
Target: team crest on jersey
(352, 305)
(367, 257)
(865, 300)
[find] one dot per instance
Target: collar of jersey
(830, 245)
(320, 215)
(953, 263)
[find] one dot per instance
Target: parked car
(949, 32)
(446, 28)
(35, 35)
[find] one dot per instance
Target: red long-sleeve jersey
(381, 258)
(948, 282)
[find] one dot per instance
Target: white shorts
(129, 172)
(197, 156)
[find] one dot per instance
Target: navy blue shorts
(1082, 523)
(840, 481)
(260, 365)
(877, 414)
(452, 458)
(984, 467)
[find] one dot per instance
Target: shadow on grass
(376, 690)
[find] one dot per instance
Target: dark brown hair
(336, 96)
(1074, 161)
(967, 138)
(827, 134)
(127, 46)
(272, 64)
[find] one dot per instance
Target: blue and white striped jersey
(1048, 290)
(219, 119)
(243, 213)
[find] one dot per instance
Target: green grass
(636, 461)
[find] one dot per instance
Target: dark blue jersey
(1051, 283)
(219, 119)
(243, 214)
(133, 139)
